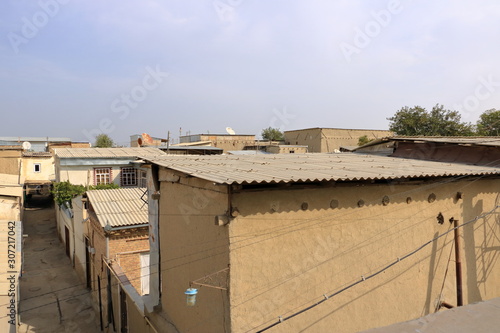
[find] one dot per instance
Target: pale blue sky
(70, 67)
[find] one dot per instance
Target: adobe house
(471, 150)
(116, 234)
(318, 242)
(223, 141)
(328, 140)
(94, 166)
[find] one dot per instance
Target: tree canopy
(489, 123)
(417, 121)
(363, 140)
(272, 134)
(103, 141)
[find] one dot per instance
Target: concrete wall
(326, 140)
(79, 227)
(191, 247)
(10, 208)
(283, 149)
(290, 247)
(47, 171)
(10, 162)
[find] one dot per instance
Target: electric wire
(364, 278)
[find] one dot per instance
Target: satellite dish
(230, 131)
(26, 145)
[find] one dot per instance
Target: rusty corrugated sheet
(286, 168)
(106, 152)
(119, 207)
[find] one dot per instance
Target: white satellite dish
(26, 145)
(230, 131)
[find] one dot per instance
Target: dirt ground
(53, 298)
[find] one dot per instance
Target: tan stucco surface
(192, 247)
(326, 140)
(284, 258)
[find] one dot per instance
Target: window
(128, 177)
(102, 176)
(143, 179)
(37, 167)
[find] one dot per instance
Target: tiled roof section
(36, 154)
(289, 168)
(119, 207)
(106, 152)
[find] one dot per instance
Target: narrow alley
(53, 299)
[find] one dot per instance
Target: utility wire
(364, 278)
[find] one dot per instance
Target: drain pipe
(458, 263)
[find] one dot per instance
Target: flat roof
(479, 317)
(120, 206)
(336, 128)
(312, 167)
(34, 138)
(209, 134)
(106, 152)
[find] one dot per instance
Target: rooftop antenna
(230, 131)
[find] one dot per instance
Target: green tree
(103, 141)
(489, 123)
(438, 122)
(272, 134)
(363, 140)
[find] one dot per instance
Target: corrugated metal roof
(482, 141)
(107, 152)
(286, 168)
(119, 207)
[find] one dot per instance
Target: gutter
(128, 227)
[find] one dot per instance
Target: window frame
(128, 176)
(39, 165)
(101, 174)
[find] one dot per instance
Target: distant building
(470, 150)
(94, 166)
(223, 141)
(41, 144)
(328, 140)
(145, 140)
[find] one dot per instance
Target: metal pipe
(458, 264)
(150, 324)
(446, 305)
(130, 227)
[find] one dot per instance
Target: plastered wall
(191, 247)
(290, 247)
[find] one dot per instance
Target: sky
(78, 68)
